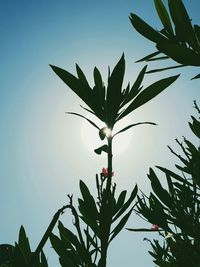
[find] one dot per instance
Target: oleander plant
(96, 219)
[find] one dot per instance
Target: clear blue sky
(42, 154)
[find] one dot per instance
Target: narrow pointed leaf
(82, 77)
(146, 58)
(113, 97)
(132, 125)
(141, 230)
(147, 31)
(149, 93)
(180, 54)
(195, 126)
(101, 149)
(126, 204)
(79, 115)
(102, 133)
(163, 69)
(84, 93)
(120, 225)
(120, 201)
(163, 15)
(24, 244)
(197, 32)
(157, 188)
(135, 89)
(196, 77)
(182, 21)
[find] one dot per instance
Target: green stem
(48, 233)
(107, 219)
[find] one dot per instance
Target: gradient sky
(42, 153)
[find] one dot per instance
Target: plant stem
(107, 219)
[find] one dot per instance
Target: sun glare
(91, 139)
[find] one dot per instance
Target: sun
(91, 140)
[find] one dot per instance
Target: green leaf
(113, 97)
(126, 204)
(195, 126)
(79, 115)
(163, 69)
(146, 58)
(120, 226)
(182, 21)
(101, 149)
(132, 125)
(147, 94)
(120, 201)
(180, 54)
(43, 260)
(140, 230)
(173, 175)
(89, 201)
(99, 86)
(147, 31)
(102, 133)
(163, 15)
(24, 244)
(82, 78)
(196, 77)
(197, 32)
(157, 188)
(84, 93)
(135, 89)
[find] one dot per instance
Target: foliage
(113, 103)
(96, 224)
(178, 39)
(177, 209)
(106, 217)
(21, 255)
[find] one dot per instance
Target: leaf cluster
(176, 209)
(21, 255)
(96, 224)
(113, 102)
(179, 39)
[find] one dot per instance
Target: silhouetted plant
(178, 39)
(98, 222)
(177, 209)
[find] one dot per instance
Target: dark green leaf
(148, 93)
(163, 69)
(196, 77)
(84, 93)
(120, 226)
(146, 58)
(101, 149)
(102, 133)
(195, 126)
(113, 97)
(197, 32)
(91, 122)
(126, 204)
(157, 188)
(132, 125)
(147, 31)
(120, 201)
(180, 54)
(82, 77)
(89, 201)
(43, 260)
(24, 244)
(163, 15)
(135, 89)
(182, 21)
(141, 230)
